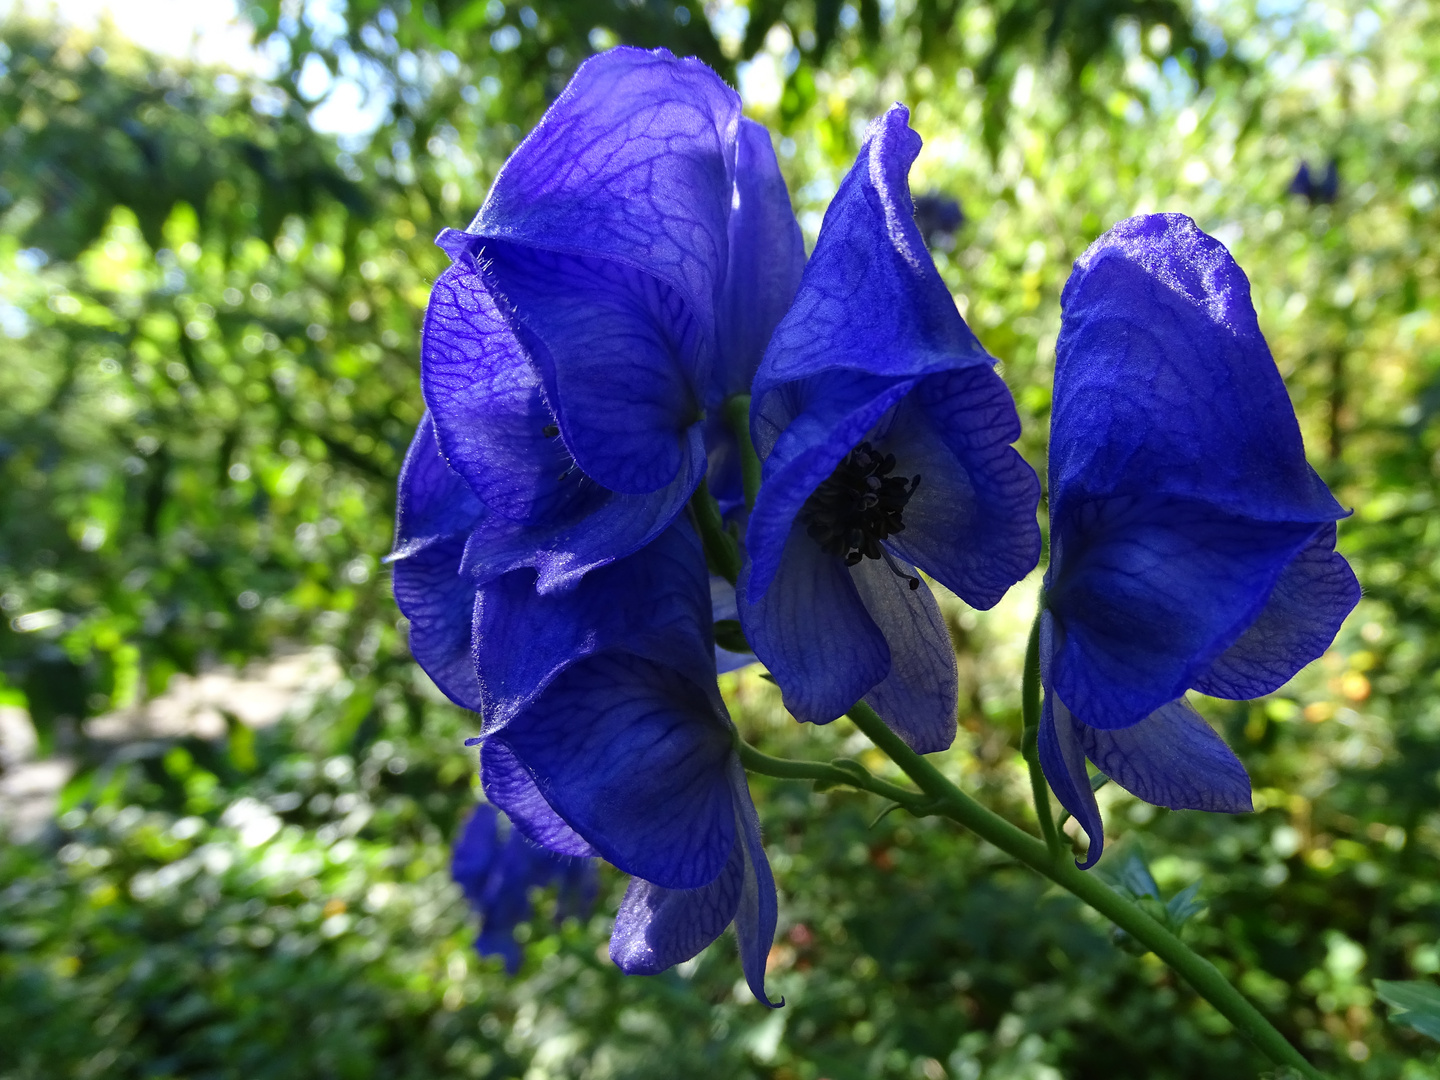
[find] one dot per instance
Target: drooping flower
(621, 279)
(605, 735)
(1192, 545)
(885, 434)
(498, 874)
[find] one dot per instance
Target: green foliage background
(210, 323)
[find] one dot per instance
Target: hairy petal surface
(1164, 384)
(919, 696)
(1149, 591)
(632, 756)
(657, 928)
(1310, 601)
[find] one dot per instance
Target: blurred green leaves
(211, 319)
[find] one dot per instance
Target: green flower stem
(1030, 742)
(838, 773)
(1207, 981)
(737, 416)
(720, 547)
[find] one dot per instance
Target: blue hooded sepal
(658, 928)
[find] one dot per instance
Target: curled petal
(871, 299)
(1149, 591)
(439, 602)
(434, 502)
(1171, 758)
(1314, 594)
(1063, 761)
(435, 513)
(811, 629)
(632, 756)
(1164, 384)
(919, 696)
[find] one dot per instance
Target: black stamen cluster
(859, 505)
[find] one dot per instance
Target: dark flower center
(859, 505)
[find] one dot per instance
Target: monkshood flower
(1192, 546)
(605, 735)
(620, 280)
(497, 876)
(885, 434)
(436, 520)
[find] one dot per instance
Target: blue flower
(620, 281)
(885, 435)
(497, 876)
(1316, 192)
(605, 735)
(1192, 546)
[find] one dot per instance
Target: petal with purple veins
(1314, 594)
(632, 756)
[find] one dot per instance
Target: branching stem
(937, 795)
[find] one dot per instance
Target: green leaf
(1416, 1004)
(1183, 906)
(729, 636)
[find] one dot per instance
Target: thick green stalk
(737, 416)
(720, 547)
(1030, 740)
(951, 802)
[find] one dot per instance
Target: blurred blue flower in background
(1192, 545)
(497, 875)
(938, 217)
(885, 434)
(620, 281)
(1322, 191)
